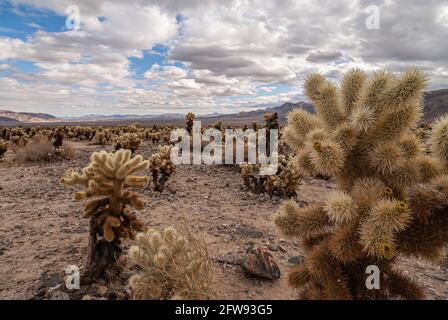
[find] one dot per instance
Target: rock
(281, 248)
(87, 297)
(249, 232)
(51, 279)
(296, 260)
(260, 262)
(59, 295)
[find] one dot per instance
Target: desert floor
(42, 230)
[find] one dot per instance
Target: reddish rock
(260, 262)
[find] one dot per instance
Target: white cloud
(229, 50)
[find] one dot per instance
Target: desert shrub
(189, 122)
(161, 167)
(362, 136)
(130, 141)
(283, 183)
(67, 151)
(3, 147)
(108, 178)
(174, 264)
(38, 148)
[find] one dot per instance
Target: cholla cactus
(189, 122)
(130, 141)
(3, 147)
(18, 136)
(217, 125)
(161, 167)
(427, 234)
(155, 137)
(58, 136)
(103, 136)
(107, 177)
(175, 265)
(255, 126)
(362, 136)
(284, 183)
(271, 120)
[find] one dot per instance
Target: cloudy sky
(162, 56)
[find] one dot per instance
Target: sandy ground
(42, 229)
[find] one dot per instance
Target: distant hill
(7, 116)
(258, 115)
(436, 104)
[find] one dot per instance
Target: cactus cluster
(107, 179)
(174, 264)
(130, 141)
(103, 136)
(362, 134)
(284, 183)
(18, 136)
(161, 167)
(3, 147)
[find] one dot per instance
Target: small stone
(51, 279)
(260, 262)
(296, 260)
(249, 232)
(87, 297)
(281, 248)
(59, 295)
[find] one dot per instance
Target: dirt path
(42, 228)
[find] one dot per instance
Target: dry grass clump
(39, 148)
(175, 264)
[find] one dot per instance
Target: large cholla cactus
(107, 177)
(3, 147)
(130, 141)
(362, 136)
(174, 264)
(161, 167)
